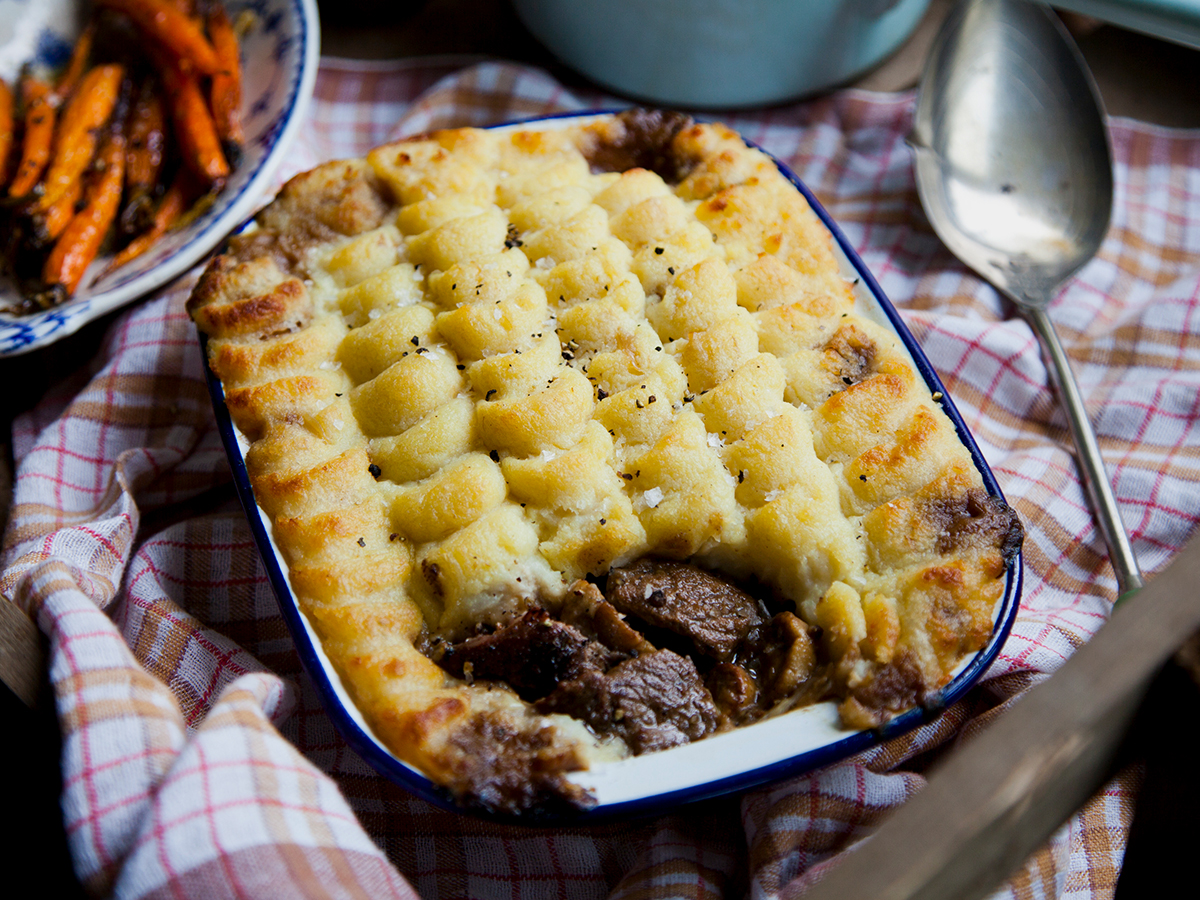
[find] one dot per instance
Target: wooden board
(21, 656)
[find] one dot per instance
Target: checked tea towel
(197, 761)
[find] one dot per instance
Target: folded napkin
(197, 760)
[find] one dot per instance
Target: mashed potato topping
(486, 374)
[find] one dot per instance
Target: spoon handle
(1091, 464)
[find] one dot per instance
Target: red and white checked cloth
(197, 761)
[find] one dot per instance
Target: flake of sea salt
(715, 440)
(653, 497)
(545, 262)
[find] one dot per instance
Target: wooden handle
(21, 654)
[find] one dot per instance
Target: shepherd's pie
(575, 448)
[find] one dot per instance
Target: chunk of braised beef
(713, 614)
(586, 609)
(977, 520)
(501, 769)
(735, 694)
(781, 655)
(891, 690)
(531, 654)
(640, 139)
(653, 701)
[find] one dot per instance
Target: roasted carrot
(84, 115)
(40, 115)
(81, 240)
(165, 25)
(6, 128)
(49, 223)
(65, 180)
(173, 203)
(143, 159)
(225, 93)
(79, 58)
(193, 124)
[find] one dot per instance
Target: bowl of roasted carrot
(134, 135)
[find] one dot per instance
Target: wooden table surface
(1139, 77)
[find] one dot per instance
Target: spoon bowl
(1012, 156)
(1014, 169)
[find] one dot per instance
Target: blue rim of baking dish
(855, 742)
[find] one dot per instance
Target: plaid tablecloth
(197, 761)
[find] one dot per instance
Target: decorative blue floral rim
(349, 724)
(280, 57)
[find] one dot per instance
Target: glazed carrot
(6, 128)
(226, 90)
(194, 129)
(143, 159)
(165, 25)
(49, 223)
(86, 112)
(40, 115)
(79, 57)
(80, 241)
(174, 202)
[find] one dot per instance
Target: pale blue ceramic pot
(720, 53)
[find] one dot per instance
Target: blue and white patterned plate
(279, 58)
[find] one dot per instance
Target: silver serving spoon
(1014, 170)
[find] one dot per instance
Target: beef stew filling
(641, 139)
(668, 655)
(714, 615)
(652, 701)
(533, 655)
